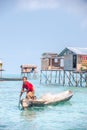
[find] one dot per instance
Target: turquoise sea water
(71, 115)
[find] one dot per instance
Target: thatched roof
(28, 66)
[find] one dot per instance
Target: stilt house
(26, 69)
(1, 69)
(50, 61)
(75, 59)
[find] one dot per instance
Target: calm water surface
(71, 115)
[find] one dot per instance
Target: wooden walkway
(10, 79)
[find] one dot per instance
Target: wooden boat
(47, 99)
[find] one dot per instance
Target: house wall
(56, 63)
(44, 64)
(68, 62)
(81, 62)
(26, 70)
(73, 60)
(48, 64)
(0, 66)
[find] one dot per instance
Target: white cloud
(76, 7)
(71, 5)
(37, 4)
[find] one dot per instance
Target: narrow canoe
(48, 99)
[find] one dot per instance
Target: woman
(27, 87)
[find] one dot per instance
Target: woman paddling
(28, 88)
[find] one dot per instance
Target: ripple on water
(69, 115)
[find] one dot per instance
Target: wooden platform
(10, 79)
(64, 78)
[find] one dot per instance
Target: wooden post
(46, 77)
(61, 80)
(69, 78)
(73, 78)
(86, 79)
(51, 76)
(56, 76)
(80, 79)
(76, 80)
(59, 77)
(63, 77)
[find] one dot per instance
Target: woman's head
(24, 79)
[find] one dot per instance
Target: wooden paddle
(19, 104)
(20, 99)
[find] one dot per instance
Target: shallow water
(71, 115)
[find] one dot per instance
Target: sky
(29, 28)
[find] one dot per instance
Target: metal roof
(75, 50)
(49, 55)
(78, 50)
(28, 66)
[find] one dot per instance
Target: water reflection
(32, 113)
(28, 114)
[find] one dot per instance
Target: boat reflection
(31, 113)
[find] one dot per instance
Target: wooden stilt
(86, 78)
(56, 77)
(76, 80)
(70, 78)
(80, 79)
(69, 81)
(50, 76)
(63, 78)
(59, 77)
(46, 78)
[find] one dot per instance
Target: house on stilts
(50, 65)
(28, 69)
(1, 68)
(71, 69)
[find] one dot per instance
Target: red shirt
(28, 86)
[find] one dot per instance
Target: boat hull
(48, 99)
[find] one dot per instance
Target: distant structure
(50, 61)
(69, 68)
(27, 69)
(1, 69)
(6, 78)
(75, 59)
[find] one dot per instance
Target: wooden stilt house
(27, 68)
(75, 59)
(1, 69)
(50, 61)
